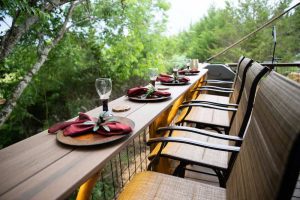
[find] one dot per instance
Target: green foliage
(117, 39)
(121, 40)
(222, 27)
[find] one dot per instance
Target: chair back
(239, 81)
(238, 67)
(268, 164)
(240, 119)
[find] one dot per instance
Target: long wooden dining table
(40, 167)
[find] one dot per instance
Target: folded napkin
(165, 75)
(170, 79)
(77, 127)
(165, 79)
(138, 91)
(192, 71)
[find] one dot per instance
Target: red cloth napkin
(165, 75)
(188, 71)
(168, 79)
(137, 91)
(162, 76)
(194, 71)
(77, 127)
(165, 79)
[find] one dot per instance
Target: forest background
(55, 49)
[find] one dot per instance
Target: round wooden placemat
(121, 108)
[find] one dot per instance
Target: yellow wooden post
(85, 189)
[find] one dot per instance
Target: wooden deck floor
(195, 176)
(200, 177)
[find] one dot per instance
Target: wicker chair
(220, 116)
(218, 161)
(267, 165)
(235, 92)
(216, 82)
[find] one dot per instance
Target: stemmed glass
(104, 87)
(175, 72)
(194, 64)
(188, 64)
(153, 73)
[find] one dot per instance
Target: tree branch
(43, 55)
(89, 18)
(6, 23)
(14, 34)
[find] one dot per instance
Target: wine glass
(194, 64)
(188, 64)
(104, 87)
(175, 73)
(153, 73)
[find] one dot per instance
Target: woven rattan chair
(218, 161)
(267, 165)
(216, 82)
(235, 92)
(213, 85)
(220, 117)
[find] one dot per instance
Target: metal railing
(119, 170)
(290, 70)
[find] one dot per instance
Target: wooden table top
(39, 167)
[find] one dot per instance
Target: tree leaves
(222, 27)
(121, 40)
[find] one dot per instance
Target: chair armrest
(217, 81)
(216, 87)
(214, 90)
(207, 106)
(201, 132)
(219, 147)
(212, 103)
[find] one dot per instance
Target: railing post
(85, 189)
